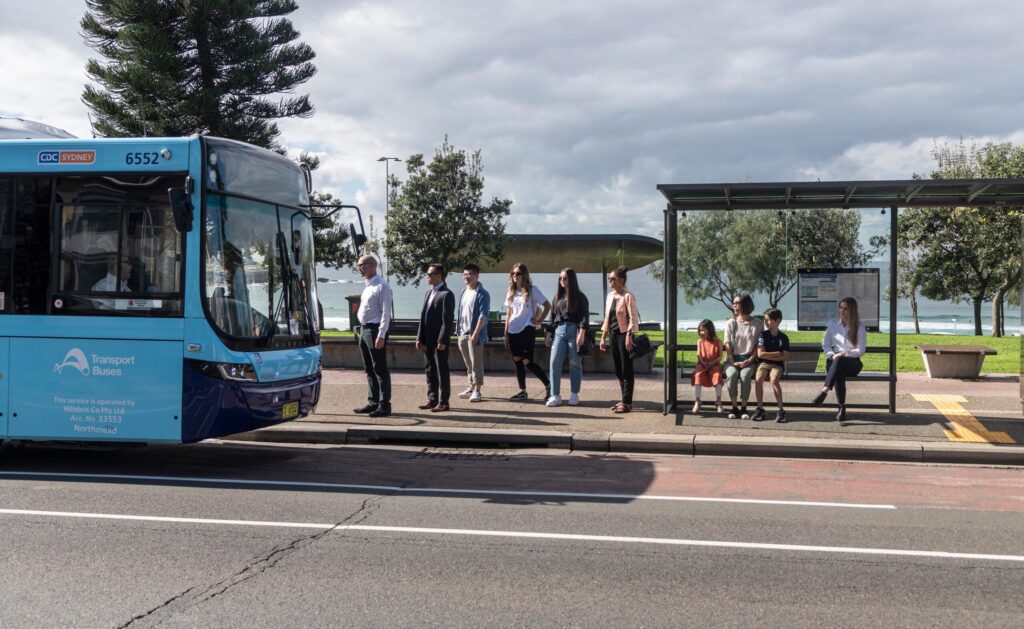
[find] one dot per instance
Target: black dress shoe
(380, 411)
(841, 415)
(818, 401)
(369, 408)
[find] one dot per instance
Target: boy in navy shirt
(772, 352)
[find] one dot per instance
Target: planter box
(954, 361)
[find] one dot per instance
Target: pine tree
(177, 67)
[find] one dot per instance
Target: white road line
(612, 539)
(433, 490)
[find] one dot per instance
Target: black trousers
(439, 380)
(375, 363)
(623, 367)
(837, 370)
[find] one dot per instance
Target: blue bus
(154, 289)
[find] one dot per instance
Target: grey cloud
(582, 107)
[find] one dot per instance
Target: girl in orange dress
(708, 372)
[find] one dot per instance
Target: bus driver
(109, 283)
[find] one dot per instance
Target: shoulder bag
(641, 343)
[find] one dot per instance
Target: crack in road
(260, 565)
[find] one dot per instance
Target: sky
(581, 109)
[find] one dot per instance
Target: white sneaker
(554, 400)
(465, 394)
(574, 399)
(476, 397)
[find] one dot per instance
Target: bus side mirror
(358, 240)
(307, 174)
(182, 207)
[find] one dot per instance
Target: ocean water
(935, 317)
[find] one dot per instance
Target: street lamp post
(387, 179)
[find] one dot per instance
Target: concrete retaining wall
(343, 352)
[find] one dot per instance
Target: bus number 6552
(141, 158)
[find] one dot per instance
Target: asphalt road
(224, 534)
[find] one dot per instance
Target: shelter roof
(845, 194)
(586, 253)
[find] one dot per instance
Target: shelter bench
(804, 369)
(954, 361)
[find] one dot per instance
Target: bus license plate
(290, 410)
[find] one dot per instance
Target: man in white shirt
(109, 283)
(375, 312)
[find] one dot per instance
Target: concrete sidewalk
(937, 420)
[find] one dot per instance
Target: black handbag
(641, 346)
(589, 340)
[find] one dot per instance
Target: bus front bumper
(212, 407)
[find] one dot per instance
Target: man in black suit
(437, 325)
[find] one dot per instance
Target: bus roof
(19, 129)
(99, 155)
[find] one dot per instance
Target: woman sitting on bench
(844, 343)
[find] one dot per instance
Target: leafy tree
(702, 260)
(908, 278)
(971, 254)
(177, 67)
(724, 253)
(437, 216)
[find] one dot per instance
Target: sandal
(615, 407)
(623, 408)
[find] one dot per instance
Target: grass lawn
(907, 357)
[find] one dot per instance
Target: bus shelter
(819, 195)
(585, 253)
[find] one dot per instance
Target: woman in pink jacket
(621, 321)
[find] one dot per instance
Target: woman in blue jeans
(570, 318)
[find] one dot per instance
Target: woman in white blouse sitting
(844, 343)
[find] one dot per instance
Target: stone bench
(954, 361)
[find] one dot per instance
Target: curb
(688, 445)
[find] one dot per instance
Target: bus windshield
(259, 282)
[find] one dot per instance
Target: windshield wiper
(290, 280)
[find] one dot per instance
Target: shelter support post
(893, 272)
(671, 283)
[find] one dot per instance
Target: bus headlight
(238, 372)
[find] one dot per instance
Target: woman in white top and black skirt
(845, 341)
(521, 322)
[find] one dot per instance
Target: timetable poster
(819, 292)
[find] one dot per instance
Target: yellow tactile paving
(938, 397)
(966, 428)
